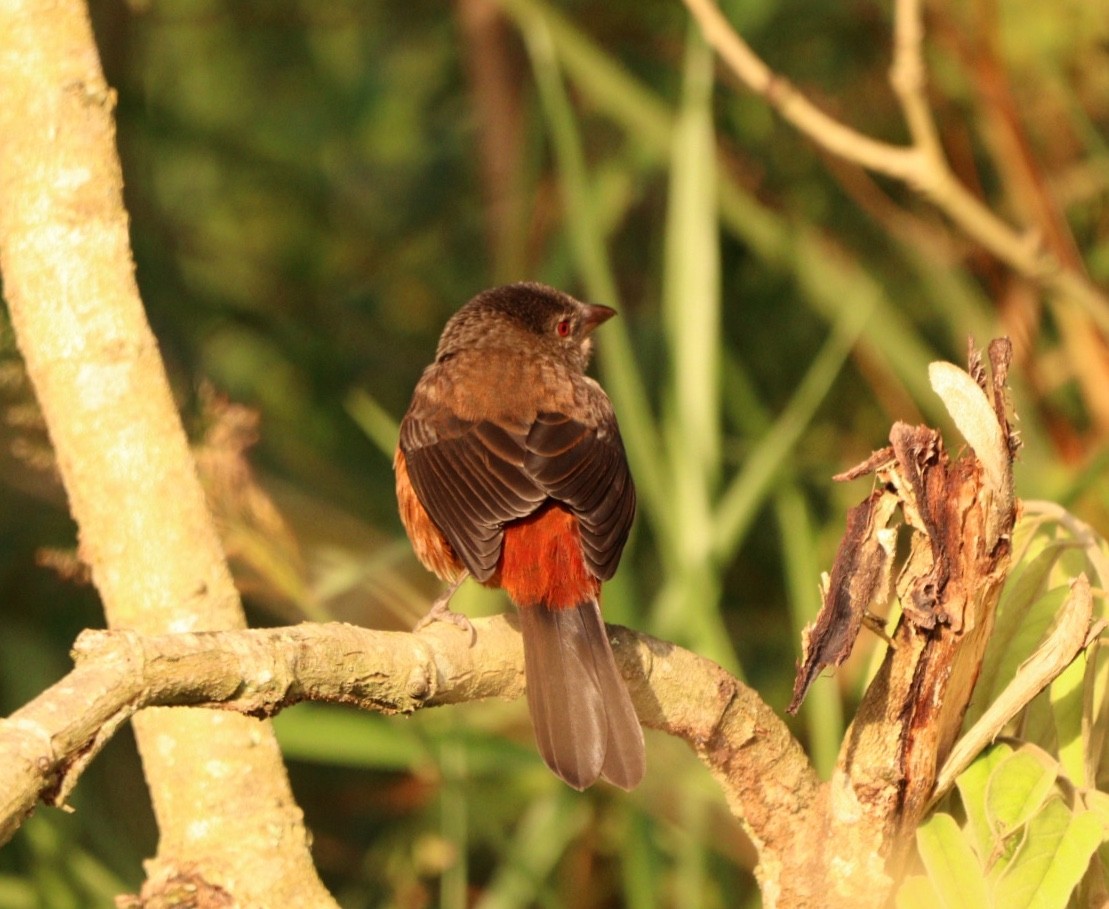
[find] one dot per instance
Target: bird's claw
(441, 611)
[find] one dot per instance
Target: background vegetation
(316, 186)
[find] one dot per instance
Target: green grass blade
(748, 489)
(640, 862)
(691, 294)
(546, 830)
(605, 80)
(342, 737)
(689, 604)
(830, 282)
(374, 420)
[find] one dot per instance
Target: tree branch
(920, 164)
(47, 744)
(144, 529)
(794, 107)
(908, 78)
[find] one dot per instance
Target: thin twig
(795, 107)
(921, 164)
(907, 76)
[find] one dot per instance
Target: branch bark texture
(44, 746)
(143, 525)
(960, 515)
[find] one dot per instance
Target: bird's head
(531, 318)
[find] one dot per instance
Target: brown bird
(511, 470)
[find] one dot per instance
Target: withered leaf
(861, 570)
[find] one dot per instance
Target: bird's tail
(585, 725)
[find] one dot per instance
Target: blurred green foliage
(315, 186)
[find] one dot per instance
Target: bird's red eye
(563, 328)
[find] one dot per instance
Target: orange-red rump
(541, 561)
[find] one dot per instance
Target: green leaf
(1066, 708)
(953, 868)
(1098, 803)
(1031, 536)
(917, 892)
(1018, 788)
(1051, 861)
(972, 785)
(1020, 635)
(1096, 707)
(1023, 588)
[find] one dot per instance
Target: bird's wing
(585, 467)
(470, 477)
(474, 476)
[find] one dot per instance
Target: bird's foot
(441, 611)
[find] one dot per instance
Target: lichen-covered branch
(144, 529)
(45, 745)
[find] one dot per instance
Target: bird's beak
(594, 316)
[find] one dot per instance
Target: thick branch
(143, 526)
(45, 745)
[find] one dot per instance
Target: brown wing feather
(431, 547)
(473, 477)
(586, 468)
(471, 483)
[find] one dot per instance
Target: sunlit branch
(921, 164)
(45, 745)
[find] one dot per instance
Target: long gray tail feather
(585, 725)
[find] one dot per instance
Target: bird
(510, 469)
